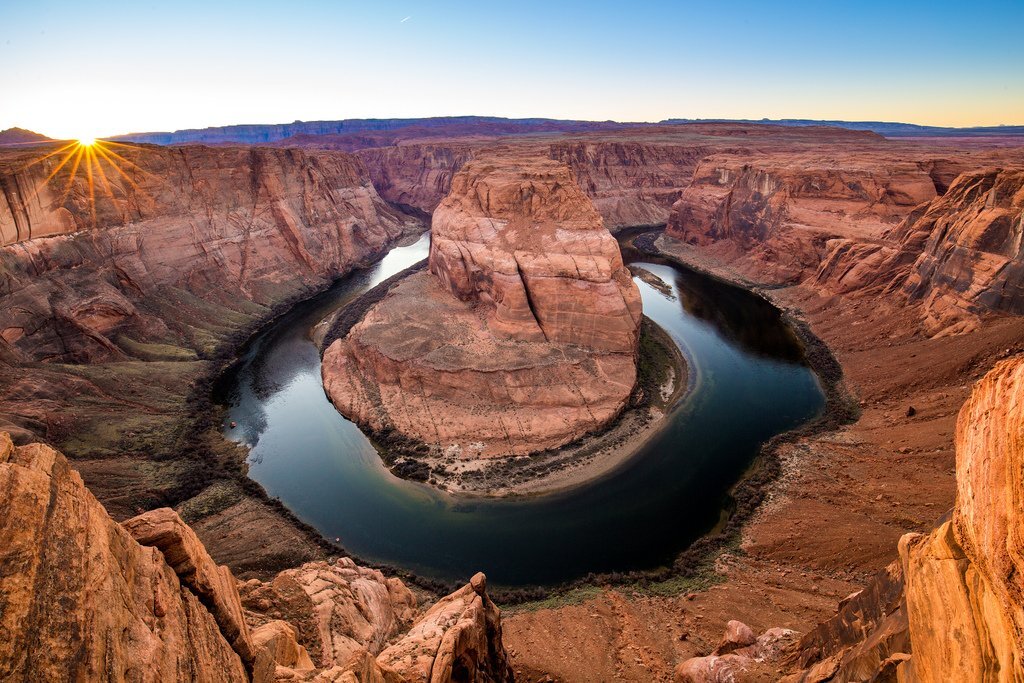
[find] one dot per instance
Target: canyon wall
(778, 212)
(957, 257)
(972, 248)
(220, 224)
(965, 580)
(952, 606)
(522, 336)
(135, 254)
(416, 175)
(631, 182)
(85, 598)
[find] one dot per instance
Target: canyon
(903, 257)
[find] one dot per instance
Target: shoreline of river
(749, 490)
(663, 382)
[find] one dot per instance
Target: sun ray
(88, 157)
(101, 151)
(89, 179)
(55, 152)
(79, 153)
(126, 161)
(107, 189)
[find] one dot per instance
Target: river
(749, 383)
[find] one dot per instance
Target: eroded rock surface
(80, 599)
(780, 211)
(523, 335)
(965, 580)
(338, 608)
(85, 598)
(952, 608)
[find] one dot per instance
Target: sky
(72, 68)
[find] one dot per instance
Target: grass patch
(575, 596)
(155, 352)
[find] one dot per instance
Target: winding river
(749, 383)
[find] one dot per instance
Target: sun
(86, 142)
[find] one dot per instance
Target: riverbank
(662, 383)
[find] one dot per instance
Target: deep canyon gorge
(773, 374)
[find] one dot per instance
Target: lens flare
(93, 167)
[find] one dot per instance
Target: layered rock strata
(780, 211)
(522, 336)
(85, 598)
(226, 225)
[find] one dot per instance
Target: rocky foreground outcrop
(952, 606)
(522, 336)
(85, 598)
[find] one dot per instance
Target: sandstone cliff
(85, 598)
(952, 606)
(972, 258)
(221, 224)
(80, 599)
(957, 257)
(521, 338)
(965, 580)
(631, 182)
(416, 175)
(779, 211)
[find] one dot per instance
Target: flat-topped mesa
(523, 239)
(521, 338)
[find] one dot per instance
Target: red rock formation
(631, 182)
(223, 224)
(85, 598)
(953, 608)
(80, 599)
(779, 212)
(458, 639)
(521, 239)
(338, 608)
(189, 246)
(739, 657)
(958, 256)
(869, 629)
(972, 258)
(416, 175)
(523, 338)
(965, 580)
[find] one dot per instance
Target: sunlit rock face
(526, 243)
(85, 598)
(521, 337)
(85, 264)
(965, 580)
(952, 606)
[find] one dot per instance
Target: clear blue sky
(78, 68)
